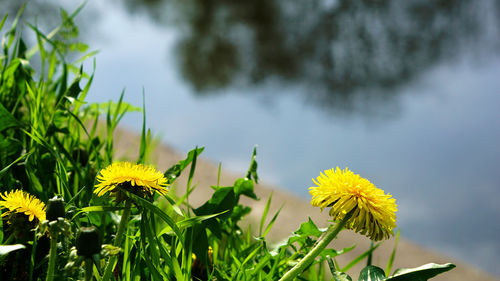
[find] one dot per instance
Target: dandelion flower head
(135, 178)
(373, 211)
(18, 201)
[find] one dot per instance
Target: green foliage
(53, 143)
(372, 273)
(6, 249)
(421, 273)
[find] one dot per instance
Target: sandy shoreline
(295, 211)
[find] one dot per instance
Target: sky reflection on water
(428, 133)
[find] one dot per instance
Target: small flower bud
(55, 208)
(88, 242)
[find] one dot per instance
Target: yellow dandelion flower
(135, 178)
(374, 212)
(18, 201)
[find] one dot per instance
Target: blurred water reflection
(342, 51)
(338, 49)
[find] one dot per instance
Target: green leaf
(5, 249)
(222, 200)
(103, 107)
(74, 89)
(239, 211)
(6, 119)
(60, 118)
(341, 276)
(252, 170)
(244, 186)
(421, 273)
(333, 253)
(308, 229)
(372, 273)
(173, 172)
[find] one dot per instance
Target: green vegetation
(53, 143)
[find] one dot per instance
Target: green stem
(118, 240)
(33, 252)
(320, 246)
(89, 269)
(9, 239)
(52, 256)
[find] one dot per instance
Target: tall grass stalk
(118, 240)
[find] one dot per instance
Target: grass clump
(106, 222)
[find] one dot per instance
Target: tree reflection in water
(340, 50)
(336, 48)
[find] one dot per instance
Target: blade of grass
(61, 180)
(33, 251)
(54, 32)
(370, 256)
(96, 209)
(97, 275)
(13, 28)
(14, 162)
(277, 260)
(126, 256)
(164, 254)
(264, 214)
(197, 219)
(143, 146)
(359, 258)
(175, 262)
(271, 223)
(393, 255)
(219, 171)
(148, 205)
(153, 245)
(145, 253)
(191, 175)
(3, 21)
(249, 257)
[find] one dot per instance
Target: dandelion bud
(55, 208)
(88, 242)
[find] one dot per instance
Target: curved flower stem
(52, 256)
(32, 257)
(320, 246)
(89, 264)
(118, 240)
